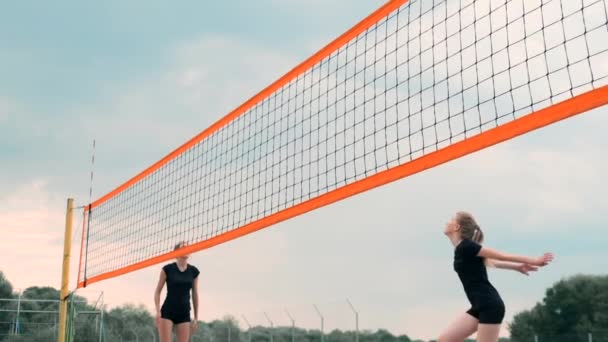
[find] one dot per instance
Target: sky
(142, 78)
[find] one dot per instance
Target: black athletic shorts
(176, 317)
(489, 312)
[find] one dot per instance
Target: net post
(65, 273)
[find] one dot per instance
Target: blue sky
(143, 77)
(63, 60)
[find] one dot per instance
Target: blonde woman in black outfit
(470, 260)
(181, 278)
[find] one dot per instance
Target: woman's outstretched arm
(521, 268)
(499, 256)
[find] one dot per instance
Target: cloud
(223, 72)
(32, 225)
(27, 208)
(5, 109)
(382, 249)
(149, 116)
(543, 182)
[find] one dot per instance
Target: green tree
(6, 289)
(42, 335)
(39, 309)
(130, 321)
(383, 335)
(219, 330)
(403, 338)
(86, 320)
(38, 317)
(571, 309)
(6, 292)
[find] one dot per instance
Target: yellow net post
(65, 274)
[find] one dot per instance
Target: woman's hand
(525, 269)
(543, 260)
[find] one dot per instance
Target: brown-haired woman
(470, 260)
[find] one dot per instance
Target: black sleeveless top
(179, 285)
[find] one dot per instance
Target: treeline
(135, 323)
(573, 309)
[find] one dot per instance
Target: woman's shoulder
(168, 267)
(194, 269)
(467, 245)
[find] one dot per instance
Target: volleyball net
(415, 84)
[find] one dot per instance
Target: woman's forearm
(505, 257)
(157, 301)
(521, 259)
(195, 305)
(505, 265)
